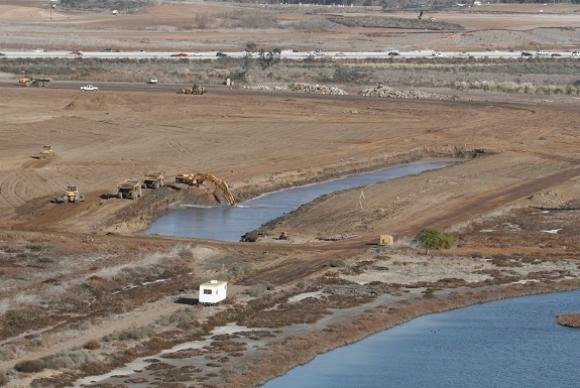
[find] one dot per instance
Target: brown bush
(30, 366)
(92, 345)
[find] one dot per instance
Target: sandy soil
(229, 27)
(104, 138)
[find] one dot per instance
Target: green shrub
(434, 239)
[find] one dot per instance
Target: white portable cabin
(213, 292)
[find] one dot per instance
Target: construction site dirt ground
(225, 26)
(84, 293)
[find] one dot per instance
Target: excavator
(198, 179)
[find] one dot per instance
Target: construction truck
(185, 178)
(130, 189)
(46, 152)
(153, 180)
(199, 179)
(195, 90)
(39, 82)
(72, 195)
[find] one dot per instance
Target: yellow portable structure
(386, 240)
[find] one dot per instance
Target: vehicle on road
(436, 54)
(555, 55)
(394, 53)
(89, 88)
(576, 53)
(180, 55)
(527, 54)
(221, 54)
(152, 81)
(39, 82)
(195, 90)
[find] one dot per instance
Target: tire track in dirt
(477, 206)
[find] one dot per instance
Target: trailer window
(207, 292)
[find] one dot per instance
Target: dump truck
(185, 178)
(39, 82)
(195, 90)
(153, 180)
(72, 195)
(130, 189)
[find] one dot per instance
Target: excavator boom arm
(219, 183)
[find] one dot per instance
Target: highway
(287, 54)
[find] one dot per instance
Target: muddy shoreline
(569, 320)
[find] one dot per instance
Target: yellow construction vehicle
(185, 178)
(153, 180)
(72, 195)
(195, 90)
(130, 189)
(46, 152)
(40, 82)
(198, 180)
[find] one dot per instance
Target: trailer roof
(213, 284)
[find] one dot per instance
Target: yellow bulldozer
(195, 90)
(39, 82)
(198, 179)
(72, 195)
(46, 152)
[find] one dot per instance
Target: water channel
(228, 224)
(510, 343)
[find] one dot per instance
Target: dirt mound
(16, 13)
(95, 103)
(388, 92)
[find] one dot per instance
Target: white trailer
(213, 292)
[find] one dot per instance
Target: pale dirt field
(104, 138)
(230, 27)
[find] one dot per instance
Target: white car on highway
(89, 88)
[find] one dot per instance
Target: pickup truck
(89, 88)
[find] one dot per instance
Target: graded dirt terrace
(257, 143)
